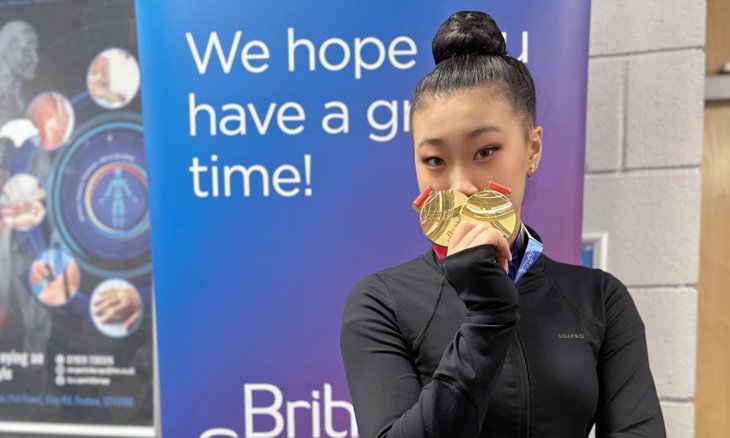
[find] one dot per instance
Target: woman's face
(468, 138)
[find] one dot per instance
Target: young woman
(489, 337)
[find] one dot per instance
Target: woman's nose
(465, 186)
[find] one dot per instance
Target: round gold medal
(440, 214)
(491, 206)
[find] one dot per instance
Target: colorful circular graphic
(116, 308)
(53, 116)
(21, 202)
(54, 277)
(99, 200)
(115, 199)
(113, 78)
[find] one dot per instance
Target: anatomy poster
(76, 355)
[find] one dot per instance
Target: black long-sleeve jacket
(451, 348)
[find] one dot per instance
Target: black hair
(470, 51)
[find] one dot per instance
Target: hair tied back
(468, 33)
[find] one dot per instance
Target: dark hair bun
(468, 32)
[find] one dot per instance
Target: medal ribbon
(532, 253)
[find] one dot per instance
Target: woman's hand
(471, 234)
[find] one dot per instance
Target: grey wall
(642, 183)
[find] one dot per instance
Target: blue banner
(281, 172)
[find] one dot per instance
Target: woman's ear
(535, 150)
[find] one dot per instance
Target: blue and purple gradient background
(251, 290)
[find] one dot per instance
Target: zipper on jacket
(525, 387)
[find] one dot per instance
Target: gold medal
(441, 211)
(491, 206)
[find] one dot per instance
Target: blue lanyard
(532, 253)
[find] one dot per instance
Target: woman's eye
(486, 152)
(433, 162)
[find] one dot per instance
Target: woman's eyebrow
(473, 134)
(431, 141)
(482, 130)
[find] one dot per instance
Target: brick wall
(642, 184)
